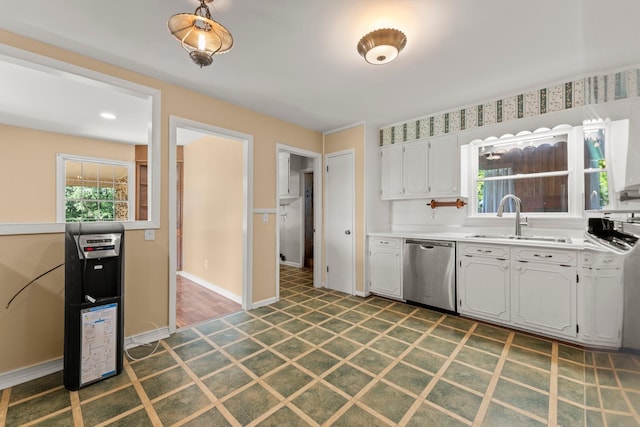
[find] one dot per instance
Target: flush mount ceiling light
(382, 46)
(200, 35)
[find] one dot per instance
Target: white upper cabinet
(288, 175)
(391, 168)
(414, 172)
(420, 169)
(444, 163)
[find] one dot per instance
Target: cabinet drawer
(600, 259)
(491, 251)
(382, 242)
(551, 256)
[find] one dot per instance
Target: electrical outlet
(206, 264)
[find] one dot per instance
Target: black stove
(610, 234)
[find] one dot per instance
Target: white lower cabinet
(544, 298)
(600, 297)
(483, 282)
(385, 267)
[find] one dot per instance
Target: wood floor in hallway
(195, 303)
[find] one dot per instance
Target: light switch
(265, 218)
(149, 234)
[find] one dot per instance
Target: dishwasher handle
(430, 244)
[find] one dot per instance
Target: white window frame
(62, 158)
(574, 173)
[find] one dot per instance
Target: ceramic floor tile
(491, 332)
(260, 402)
(319, 402)
(532, 343)
(104, 386)
(571, 390)
(282, 417)
(455, 399)
(226, 381)
(571, 353)
(38, 407)
(292, 348)
(212, 417)
(165, 382)
(424, 360)
(208, 363)
(570, 415)
(211, 327)
(356, 416)
(408, 378)
(180, 405)
(522, 397)
(181, 337)
(438, 345)
(349, 379)
(317, 362)
(445, 332)
(193, 349)
(417, 324)
(64, 419)
(389, 346)
(243, 348)
(529, 357)
(262, 363)
(404, 334)
(39, 385)
(360, 335)
(288, 380)
(98, 411)
(388, 401)
(253, 326)
(315, 335)
(427, 415)
(271, 336)
(153, 364)
(500, 416)
(526, 375)
(466, 376)
(341, 347)
(371, 361)
(485, 344)
(139, 419)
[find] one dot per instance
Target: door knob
(347, 231)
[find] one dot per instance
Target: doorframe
(317, 212)
(176, 122)
(352, 152)
(303, 214)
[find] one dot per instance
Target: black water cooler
(94, 312)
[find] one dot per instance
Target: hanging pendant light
(200, 35)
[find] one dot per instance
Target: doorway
(299, 219)
(209, 222)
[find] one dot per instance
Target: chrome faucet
(518, 202)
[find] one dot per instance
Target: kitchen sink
(527, 238)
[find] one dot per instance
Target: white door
(340, 214)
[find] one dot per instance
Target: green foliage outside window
(89, 204)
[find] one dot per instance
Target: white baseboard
(263, 302)
(362, 294)
(28, 373)
(291, 264)
(22, 375)
(215, 288)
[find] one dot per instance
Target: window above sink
(559, 172)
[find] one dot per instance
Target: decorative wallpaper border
(589, 90)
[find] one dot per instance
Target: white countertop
(461, 234)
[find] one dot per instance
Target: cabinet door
(414, 163)
(544, 298)
(283, 174)
(483, 288)
(391, 171)
(386, 273)
(444, 166)
(607, 307)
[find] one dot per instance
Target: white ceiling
(297, 59)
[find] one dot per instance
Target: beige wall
(353, 138)
(212, 212)
(28, 169)
(146, 262)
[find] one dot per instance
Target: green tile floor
(319, 357)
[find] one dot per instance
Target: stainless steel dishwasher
(429, 273)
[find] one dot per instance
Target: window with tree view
(95, 189)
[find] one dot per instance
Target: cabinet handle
(542, 256)
(518, 268)
(484, 251)
(505, 266)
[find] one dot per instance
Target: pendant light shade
(200, 35)
(382, 46)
